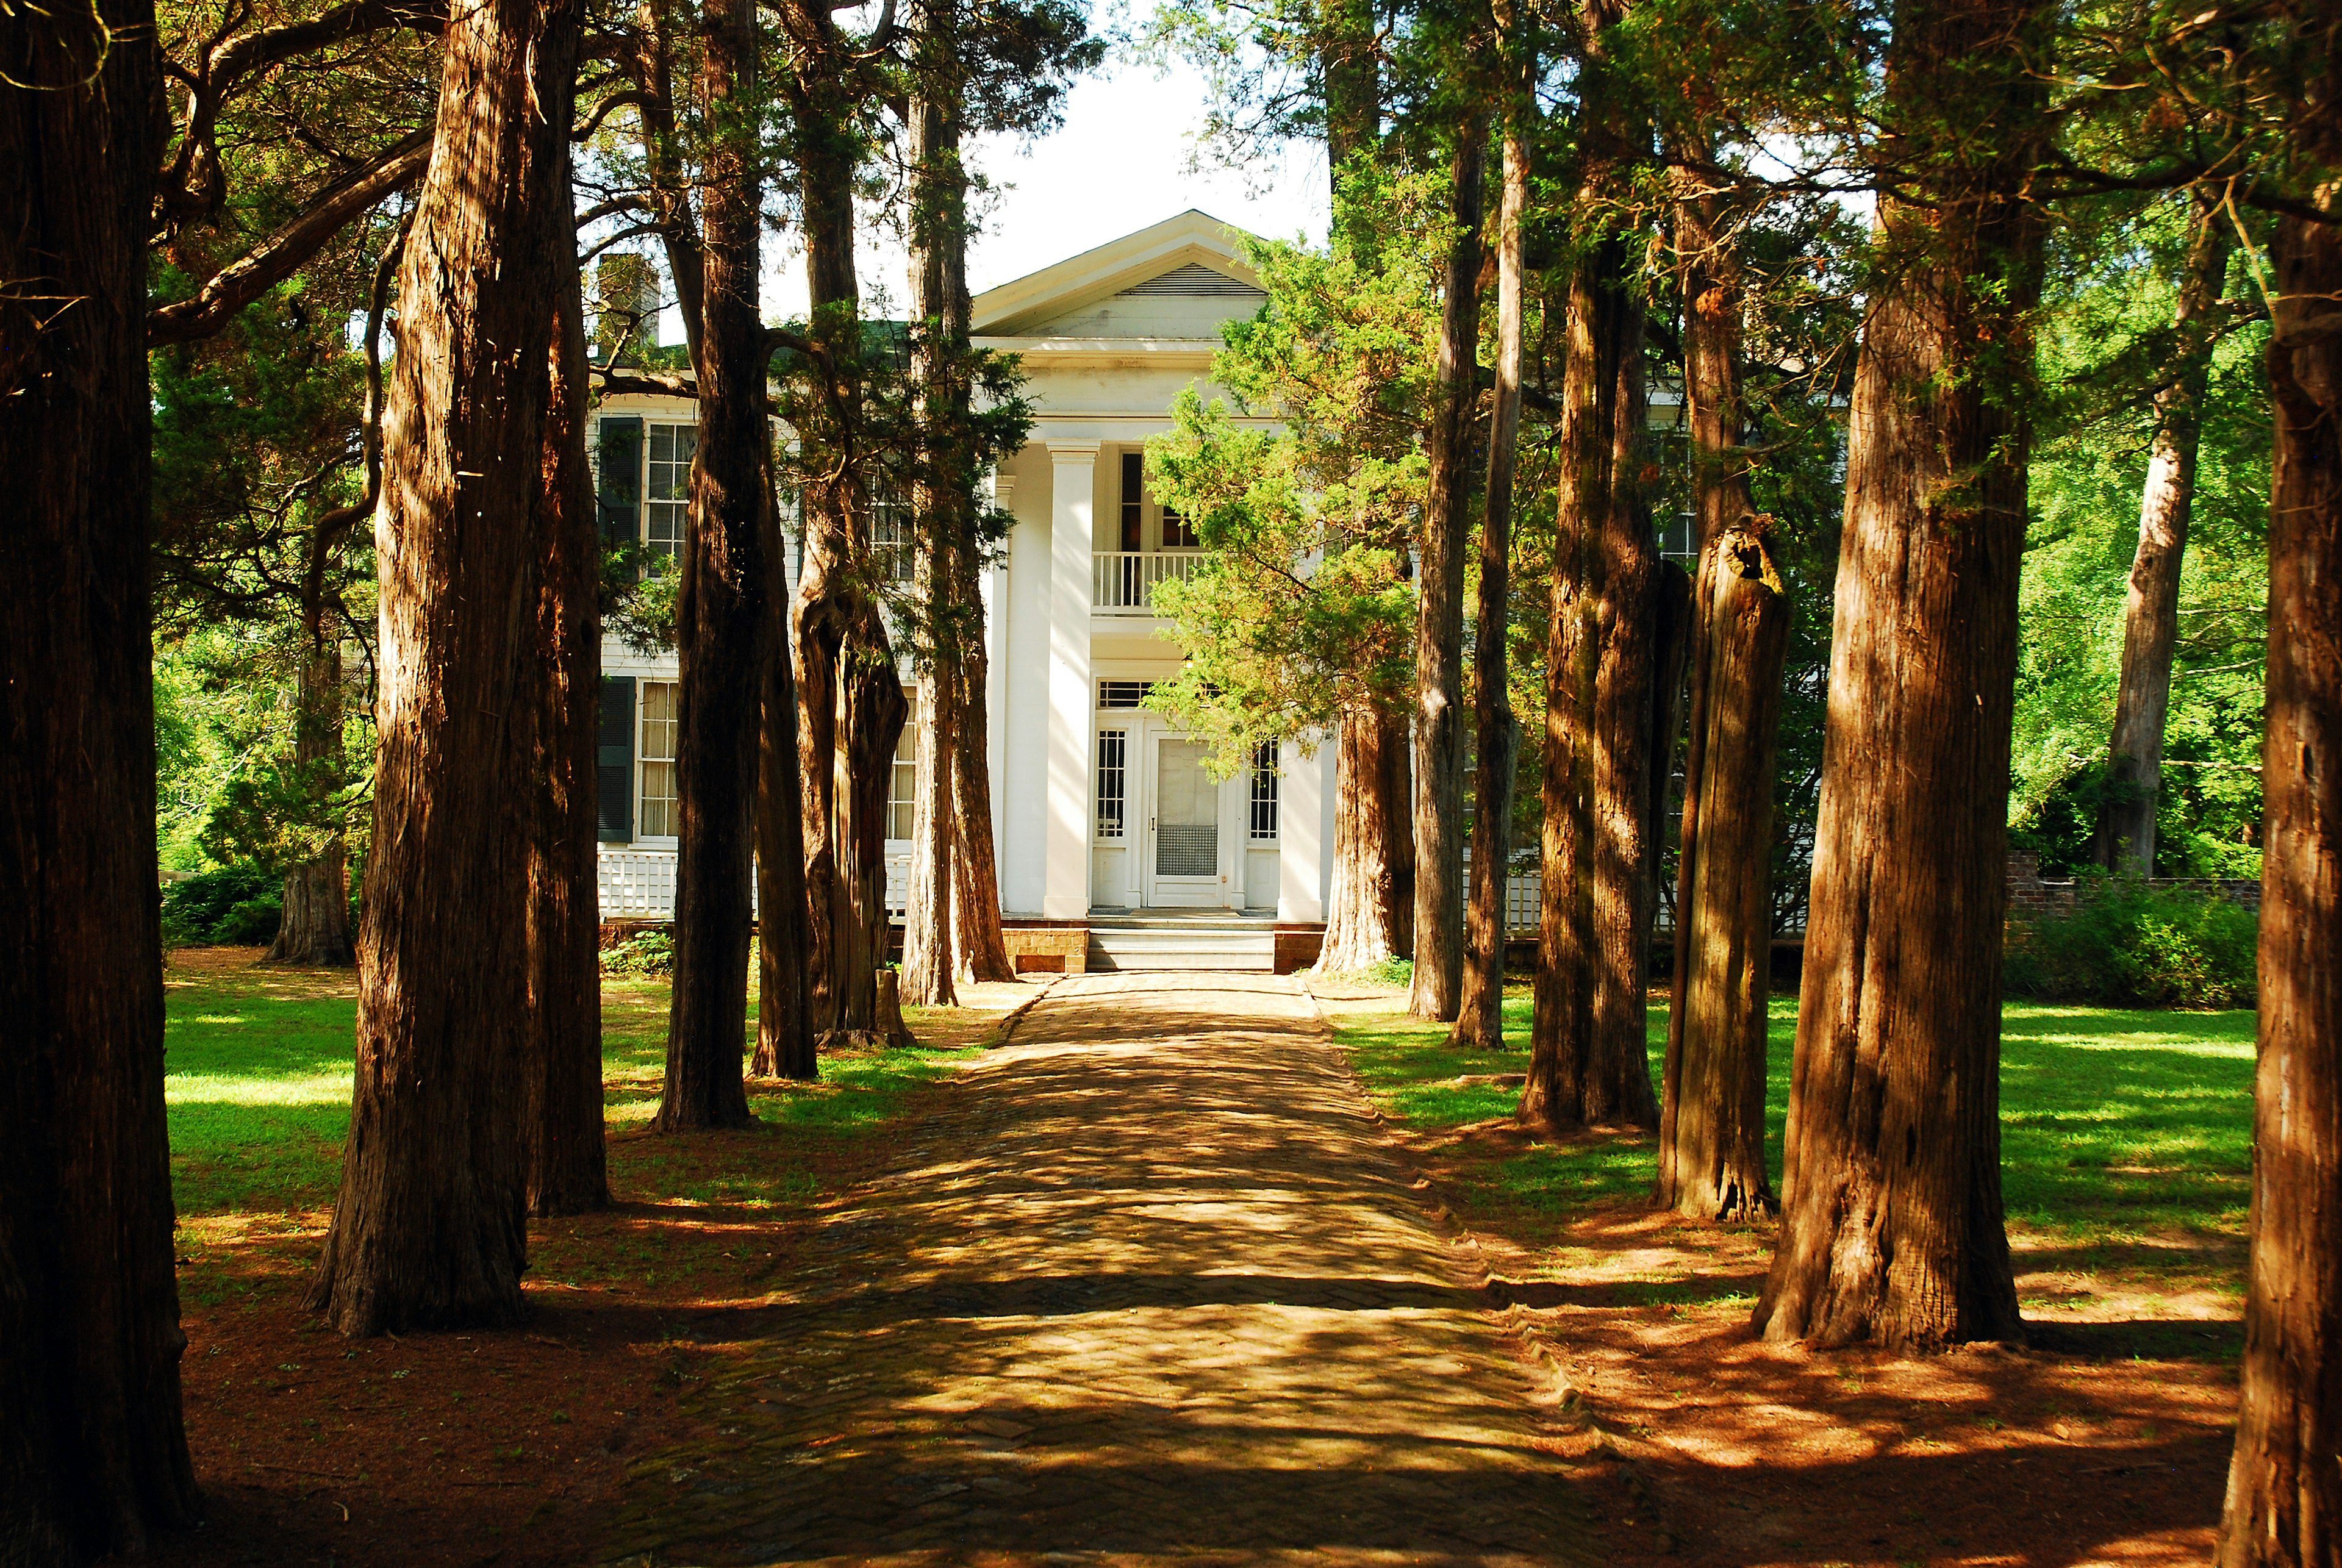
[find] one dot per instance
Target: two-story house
(1106, 818)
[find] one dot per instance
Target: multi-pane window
(1263, 793)
(1176, 534)
(903, 787)
(892, 539)
(1113, 780)
(660, 717)
(667, 498)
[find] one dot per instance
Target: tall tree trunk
(2125, 835)
(832, 521)
(1364, 907)
(1712, 1103)
(430, 1229)
(316, 926)
(315, 929)
(1482, 1020)
(850, 697)
(650, 66)
(976, 876)
(943, 499)
(1892, 1230)
(93, 1447)
(720, 631)
(568, 1167)
(2285, 1487)
(870, 721)
(1439, 623)
(785, 1035)
(1605, 728)
(1712, 1117)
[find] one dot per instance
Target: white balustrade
(639, 883)
(1124, 580)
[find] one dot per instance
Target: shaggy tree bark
(1605, 712)
(315, 926)
(1892, 1230)
(1481, 1022)
(568, 1166)
(2284, 1488)
(315, 929)
(976, 876)
(1366, 910)
(2125, 835)
(943, 500)
(430, 1228)
(1608, 710)
(1711, 1114)
(850, 698)
(720, 632)
(93, 1447)
(1439, 623)
(1711, 1100)
(785, 1026)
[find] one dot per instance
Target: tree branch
(276, 258)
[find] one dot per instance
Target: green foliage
(1301, 609)
(2105, 341)
(234, 905)
(2127, 945)
(649, 953)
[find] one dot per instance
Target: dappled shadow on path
(1152, 1287)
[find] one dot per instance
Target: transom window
(667, 498)
(660, 724)
(1123, 694)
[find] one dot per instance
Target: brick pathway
(1149, 1288)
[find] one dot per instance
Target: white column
(1072, 703)
(1022, 726)
(993, 588)
(1302, 843)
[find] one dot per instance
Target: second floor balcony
(1122, 582)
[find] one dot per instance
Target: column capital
(1071, 451)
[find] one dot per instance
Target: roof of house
(1193, 253)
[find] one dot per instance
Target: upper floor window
(666, 495)
(1134, 502)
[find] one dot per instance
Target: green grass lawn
(2124, 1134)
(258, 1074)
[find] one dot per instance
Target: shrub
(648, 952)
(235, 904)
(2128, 945)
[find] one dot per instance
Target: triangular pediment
(1177, 279)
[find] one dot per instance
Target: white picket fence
(639, 883)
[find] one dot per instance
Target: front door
(1183, 862)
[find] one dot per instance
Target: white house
(1115, 846)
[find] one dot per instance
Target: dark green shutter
(614, 775)
(622, 481)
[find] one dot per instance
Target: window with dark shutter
(1134, 496)
(614, 763)
(621, 481)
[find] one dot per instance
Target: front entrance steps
(1206, 939)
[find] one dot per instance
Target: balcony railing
(1125, 580)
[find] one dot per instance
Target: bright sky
(1119, 164)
